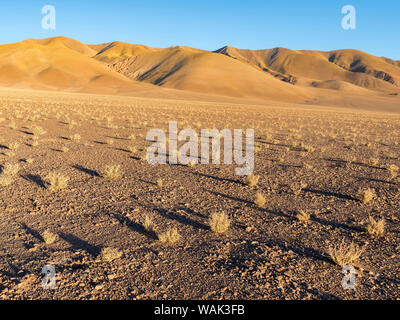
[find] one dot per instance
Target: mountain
(342, 77)
(58, 64)
(352, 66)
(197, 70)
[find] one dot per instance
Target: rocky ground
(311, 159)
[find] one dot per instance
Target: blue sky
(211, 24)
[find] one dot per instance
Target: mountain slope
(63, 42)
(352, 66)
(113, 52)
(202, 71)
(57, 63)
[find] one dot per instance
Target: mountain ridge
(277, 74)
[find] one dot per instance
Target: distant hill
(58, 63)
(352, 66)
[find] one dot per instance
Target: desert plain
(78, 193)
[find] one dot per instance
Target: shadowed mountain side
(352, 66)
(117, 51)
(201, 71)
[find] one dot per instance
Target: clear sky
(211, 24)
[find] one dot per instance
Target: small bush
(49, 237)
(373, 162)
(38, 131)
(13, 145)
(10, 169)
(9, 153)
(375, 228)
(297, 187)
(393, 170)
(303, 216)
(148, 224)
(111, 172)
(56, 181)
(132, 149)
(110, 254)
(260, 201)
(5, 181)
(170, 236)
(191, 164)
(344, 254)
(251, 180)
(219, 222)
(12, 125)
(309, 149)
(75, 137)
(308, 166)
(365, 196)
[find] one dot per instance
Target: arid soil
(308, 158)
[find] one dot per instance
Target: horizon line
(140, 44)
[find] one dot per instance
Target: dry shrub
(251, 180)
(57, 181)
(75, 137)
(303, 216)
(111, 172)
(309, 149)
(148, 224)
(38, 131)
(308, 166)
(13, 145)
(345, 254)
(10, 169)
(297, 187)
(393, 170)
(49, 237)
(375, 228)
(132, 149)
(191, 164)
(365, 196)
(170, 236)
(5, 181)
(110, 254)
(260, 201)
(373, 162)
(219, 222)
